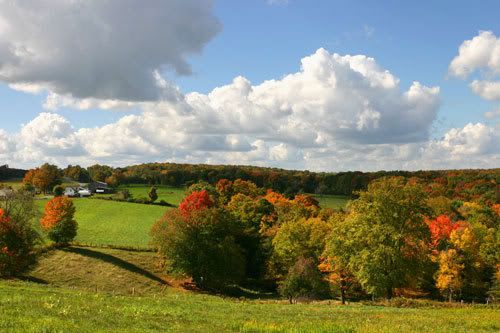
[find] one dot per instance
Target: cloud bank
(337, 112)
(101, 49)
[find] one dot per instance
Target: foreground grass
(28, 307)
(103, 222)
(65, 300)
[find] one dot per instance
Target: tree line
(399, 237)
(465, 184)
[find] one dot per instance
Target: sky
(318, 85)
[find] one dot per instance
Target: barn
(99, 187)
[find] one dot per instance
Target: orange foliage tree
(58, 221)
(441, 228)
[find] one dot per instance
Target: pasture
(103, 222)
(172, 195)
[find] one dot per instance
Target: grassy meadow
(30, 307)
(82, 289)
(332, 200)
(103, 222)
(172, 195)
(14, 183)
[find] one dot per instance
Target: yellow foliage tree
(449, 279)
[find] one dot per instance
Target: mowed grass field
(29, 307)
(104, 222)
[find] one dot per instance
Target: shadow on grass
(115, 261)
(32, 279)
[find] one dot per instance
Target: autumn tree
(384, 237)
(18, 238)
(77, 173)
(58, 220)
(201, 244)
(99, 172)
(44, 178)
(305, 238)
(196, 201)
(449, 275)
(254, 216)
(334, 266)
(306, 200)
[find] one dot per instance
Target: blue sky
(263, 40)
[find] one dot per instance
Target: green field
(104, 222)
(332, 201)
(27, 307)
(14, 183)
(81, 289)
(172, 195)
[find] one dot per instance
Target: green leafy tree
(299, 238)
(201, 245)
(384, 238)
(252, 214)
(152, 194)
(58, 190)
(304, 280)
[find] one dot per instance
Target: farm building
(100, 187)
(76, 192)
(70, 192)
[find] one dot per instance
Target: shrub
(152, 194)
(17, 235)
(304, 280)
(58, 191)
(58, 220)
(201, 245)
(123, 195)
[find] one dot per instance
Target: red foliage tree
(195, 201)
(16, 245)
(441, 228)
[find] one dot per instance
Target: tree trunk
(389, 293)
(342, 291)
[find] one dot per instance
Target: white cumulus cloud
(481, 53)
(335, 113)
